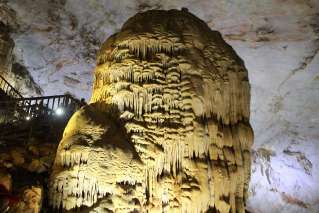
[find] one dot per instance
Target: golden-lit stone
(167, 128)
(5, 180)
(30, 201)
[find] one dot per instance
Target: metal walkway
(22, 119)
(12, 103)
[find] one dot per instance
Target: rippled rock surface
(167, 128)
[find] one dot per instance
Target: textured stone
(18, 157)
(184, 95)
(36, 166)
(30, 202)
(5, 180)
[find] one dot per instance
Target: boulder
(31, 201)
(17, 157)
(5, 180)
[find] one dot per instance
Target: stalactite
(180, 139)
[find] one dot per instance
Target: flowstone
(167, 128)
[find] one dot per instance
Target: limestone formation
(167, 128)
(30, 201)
(6, 47)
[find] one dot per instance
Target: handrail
(49, 96)
(48, 105)
(37, 106)
(8, 88)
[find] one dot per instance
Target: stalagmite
(167, 128)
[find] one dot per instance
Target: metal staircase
(22, 118)
(7, 89)
(12, 103)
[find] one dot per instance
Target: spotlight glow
(59, 111)
(28, 118)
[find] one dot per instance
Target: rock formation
(30, 202)
(24, 171)
(167, 128)
(6, 47)
(10, 67)
(6, 42)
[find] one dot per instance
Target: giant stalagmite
(167, 128)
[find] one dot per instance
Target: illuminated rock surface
(181, 140)
(30, 202)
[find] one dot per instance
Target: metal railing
(8, 89)
(48, 105)
(15, 105)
